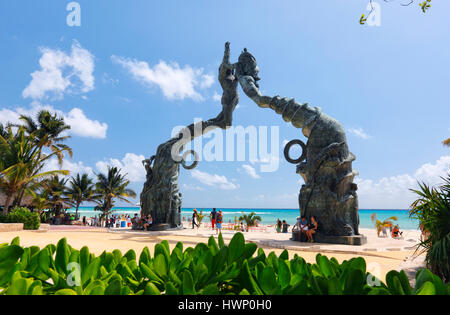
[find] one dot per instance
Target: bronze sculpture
(329, 193)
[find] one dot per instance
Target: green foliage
(206, 269)
(432, 209)
(250, 219)
(22, 158)
(425, 5)
(30, 220)
(110, 186)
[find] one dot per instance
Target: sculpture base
(332, 239)
(160, 227)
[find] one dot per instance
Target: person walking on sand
(219, 219)
(213, 218)
(194, 219)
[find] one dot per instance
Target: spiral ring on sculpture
(193, 165)
(287, 148)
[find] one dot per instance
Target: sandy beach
(381, 254)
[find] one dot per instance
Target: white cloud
(214, 180)
(79, 123)
(83, 126)
(360, 133)
(250, 171)
(176, 83)
(394, 192)
(192, 187)
(131, 165)
(73, 167)
(61, 73)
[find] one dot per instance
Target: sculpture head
(247, 66)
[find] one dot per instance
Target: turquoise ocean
(269, 216)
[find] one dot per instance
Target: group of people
(215, 216)
(394, 230)
(307, 228)
(141, 223)
(282, 226)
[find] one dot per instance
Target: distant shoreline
(190, 208)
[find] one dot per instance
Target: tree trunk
(7, 203)
(76, 211)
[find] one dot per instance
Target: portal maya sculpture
(329, 193)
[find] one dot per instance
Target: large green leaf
(427, 288)
(284, 274)
(268, 282)
(354, 282)
(160, 265)
(62, 256)
(145, 256)
(9, 255)
(151, 289)
(114, 287)
(188, 283)
(236, 247)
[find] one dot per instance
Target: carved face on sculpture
(247, 65)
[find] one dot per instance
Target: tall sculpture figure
(160, 196)
(329, 193)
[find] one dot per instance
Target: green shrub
(432, 209)
(207, 269)
(30, 220)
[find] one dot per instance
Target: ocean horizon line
(253, 208)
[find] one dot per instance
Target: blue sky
(116, 79)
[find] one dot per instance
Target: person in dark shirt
(219, 219)
(213, 217)
(285, 226)
(194, 219)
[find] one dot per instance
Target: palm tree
(104, 208)
(56, 191)
(379, 225)
(432, 209)
(21, 164)
(47, 131)
(250, 219)
(81, 188)
(110, 186)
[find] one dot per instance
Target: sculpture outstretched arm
(250, 88)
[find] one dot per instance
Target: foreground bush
(207, 269)
(432, 209)
(30, 220)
